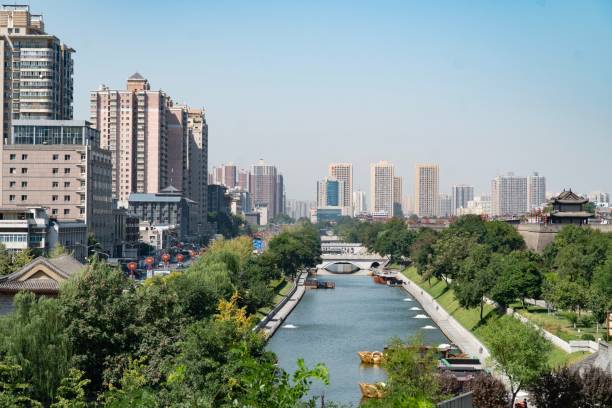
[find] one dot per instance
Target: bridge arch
(342, 267)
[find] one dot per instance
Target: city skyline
(491, 89)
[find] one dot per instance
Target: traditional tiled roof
(569, 197)
(63, 267)
(136, 76)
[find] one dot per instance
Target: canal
(331, 326)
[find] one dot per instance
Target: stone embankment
(269, 324)
(459, 335)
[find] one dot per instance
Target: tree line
(185, 339)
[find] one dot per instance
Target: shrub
(587, 336)
(572, 317)
(587, 321)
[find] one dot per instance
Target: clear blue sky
(479, 87)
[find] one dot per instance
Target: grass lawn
(556, 323)
(281, 287)
(469, 318)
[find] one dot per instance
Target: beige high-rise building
(426, 186)
(382, 176)
(59, 165)
(344, 172)
(133, 126)
(197, 172)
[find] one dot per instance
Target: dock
(318, 284)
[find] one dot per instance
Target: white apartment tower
(536, 191)
(426, 185)
(461, 195)
(344, 172)
(509, 195)
(382, 176)
(359, 202)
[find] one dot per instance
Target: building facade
(344, 172)
(461, 194)
(359, 203)
(60, 166)
(265, 189)
(446, 206)
(509, 195)
(426, 185)
(398, 183)
(381, 187)
(536, 191)
(330, 192)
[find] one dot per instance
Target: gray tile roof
(64, 266)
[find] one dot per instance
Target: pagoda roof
(569, 197)
(136, 77)
(42, 275)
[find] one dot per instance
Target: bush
(572, 317)
(587, 336)
(587, 321)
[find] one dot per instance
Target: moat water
(331, 325)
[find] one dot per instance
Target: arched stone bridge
(349, 263)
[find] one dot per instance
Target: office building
(265, 189)
(426, 185)
(330, 193)
(344, 172)
(58, 164)
(446, 206)
(243, 179)
(599, 197)
(37, 69)
(461, 194)
(359, 203)
(218, 200)
(536, 192)
(297, 209)
(197, 170)
(480, 205)
(381, 188)
(509, 195)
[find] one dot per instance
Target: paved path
(459, 335)
(287, 307)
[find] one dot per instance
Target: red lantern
(149, 260)
(180, 258)
(132, 266)
(165, 258)
(192, 253)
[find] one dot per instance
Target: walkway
(278, 315)
(459, 335)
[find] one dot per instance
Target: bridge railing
(299, 281)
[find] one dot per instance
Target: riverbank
(469, 318)
(269, 324)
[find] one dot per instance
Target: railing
(263, 322)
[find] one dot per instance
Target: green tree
(518, 275)
(14, 392)
(5, 261)
(395, 240)
(71, 392)
(475, 279)
(518, 351)
(422, 249)
(21, 259)
(33, 336)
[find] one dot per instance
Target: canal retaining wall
(269, 324)
(459, 335)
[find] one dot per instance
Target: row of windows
(24, 170)
(55, 157)
(13, 238)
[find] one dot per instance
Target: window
(12, 183)
(24, 170)
(54, 197)
(55, 184)
(67, 170)
(66, 184)
(81, 211)
(12, 170)
(66, 211)
(66, 157)
(56, 157)
(55, 170)
(13, 157)
(24, 197)
(24, 157)
(83, 157)
(24, 184)
(54, 211)
(66, 198)
(12, 197)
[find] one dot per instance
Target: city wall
(538, 236)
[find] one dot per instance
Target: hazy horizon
(480, 88)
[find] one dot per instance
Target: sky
(481, 88)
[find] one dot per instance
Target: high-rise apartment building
(178, 146)
(461, 194)
(265, 189)
(359, 202)
(330, 192)
(37, 70)
(426, 185)
(344, 172)
(381, 188)
(397, 195)
(133, 126)
(509, 195)
(297, 209)
(197, 171)
(599, 197)
(536, 191)
(446, 206)
(230, 175)
(59, 165)
(243, 179)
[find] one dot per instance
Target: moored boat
(371, 357)
(372, 390)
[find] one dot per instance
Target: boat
(372, 390)
(386, 278)
(371, 357)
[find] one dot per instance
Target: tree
(282, 219)
(33, 336)
(422, 249)
(488, 391)
(21, 259)
(596, 388)
(518, 276)
(71, 392)
(559, 388)
(57, 251)
(5, 261)
(395, 240)
(475, 279)
(13, 390)
(502, 237)
(518, 351)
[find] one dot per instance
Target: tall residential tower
(382, 176)
(426, 185)
(344, 172)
